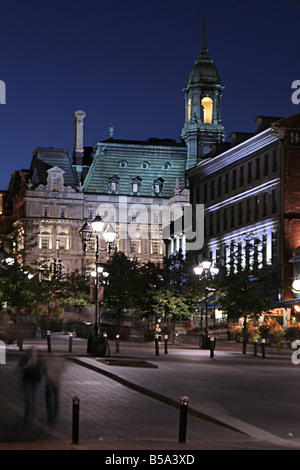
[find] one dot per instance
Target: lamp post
(87, 231)
(206, 269)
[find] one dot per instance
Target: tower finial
(203, 45)
(203, 33)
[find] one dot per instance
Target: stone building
(138, 187)
(251, 195)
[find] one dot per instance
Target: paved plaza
(131, 400)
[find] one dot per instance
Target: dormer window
(123, 164)
(145, 165)
(113, 185)
(158, 186)
(55, 180)
(136, 185)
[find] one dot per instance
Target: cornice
(233, 155)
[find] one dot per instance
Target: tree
(76, 291)
(170, 305)
(120, 291)
(248, 292)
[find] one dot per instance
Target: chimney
(78, 150)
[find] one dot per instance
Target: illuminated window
(136, 185)
(207, 109)
(61, 241)
(158, 186)
(189, 109)
(44, 240)
(113, 185)
(55, 184)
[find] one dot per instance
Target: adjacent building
(251, 199)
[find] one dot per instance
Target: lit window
(44, 241)
(136, 185)
(55, 184)
(113, 185)
(189, 109)
(207, 110)
(158, 186)
(61, 241)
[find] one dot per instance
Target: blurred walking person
(32, 374)
(53, 371)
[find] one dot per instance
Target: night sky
(126, 62)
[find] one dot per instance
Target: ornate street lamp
(206, 269)
(96, 227)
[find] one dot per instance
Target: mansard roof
(128, 160)
(45, 158)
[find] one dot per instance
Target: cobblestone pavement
(125, 407)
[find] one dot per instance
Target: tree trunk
(245, 334)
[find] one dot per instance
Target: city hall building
(249, 188)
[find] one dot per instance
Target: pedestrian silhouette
(32, 374)
(53, 372)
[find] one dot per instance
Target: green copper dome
(204, 71)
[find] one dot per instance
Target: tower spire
(204, 50)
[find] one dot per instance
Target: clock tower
(203, 91)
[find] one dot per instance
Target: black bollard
(70, 341)
(183, 419)
(166, 344)
(255, 347)
(75, 420)
(49, 341)
(212, 346)
(263, 348)
(156, 346)
(117, 343)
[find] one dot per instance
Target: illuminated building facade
(251, 195)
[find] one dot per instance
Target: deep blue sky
(126, 62)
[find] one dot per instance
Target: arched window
(189, 104)
(207, 109)
(62, 241)
(45, 241)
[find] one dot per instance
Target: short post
(212, 346)
(49, 341)
(183, 418)
(166, 344)
(156, 345)
(263, 348)
(70, 341)
(75, 420)
(117, 343)
(255, 347)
